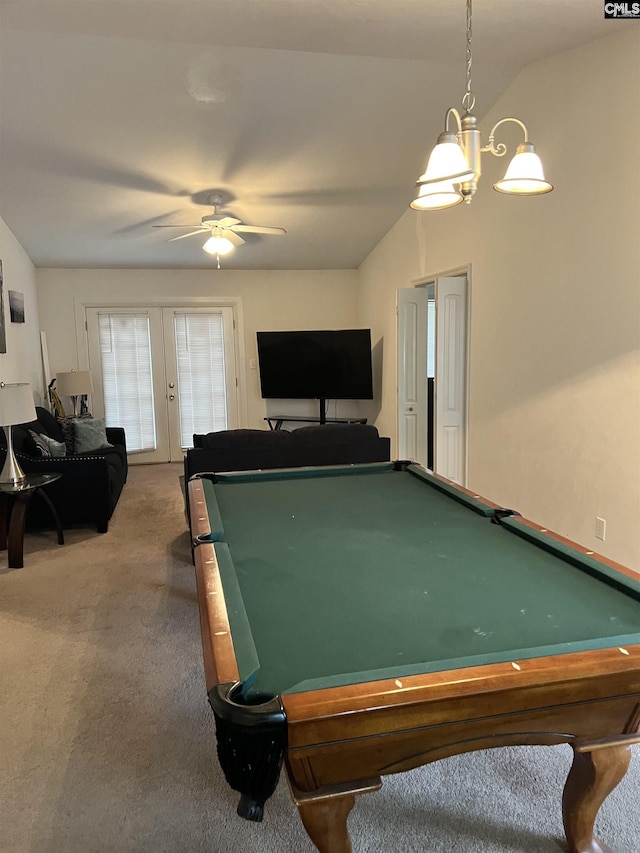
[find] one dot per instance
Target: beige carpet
(107, 741)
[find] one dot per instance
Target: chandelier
(454, 165)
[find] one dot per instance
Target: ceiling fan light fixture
(222, 230)
(218, 246)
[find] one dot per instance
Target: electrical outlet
(601, 528)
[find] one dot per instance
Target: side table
(14, 502)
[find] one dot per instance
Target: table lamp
(74, 384)
(16, 407)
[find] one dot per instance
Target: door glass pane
(202, 392)
(127, 379)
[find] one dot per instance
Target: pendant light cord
(469, 100)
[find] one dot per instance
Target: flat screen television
(330, 364)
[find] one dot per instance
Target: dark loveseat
(91, 481)
(248, 449)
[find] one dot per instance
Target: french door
(163, 373)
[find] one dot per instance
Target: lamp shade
(447, 162)
(74, 383)
(436, 196)
(16, 404)
(524, 175)
(218, 246)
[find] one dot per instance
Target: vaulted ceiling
(312, 115)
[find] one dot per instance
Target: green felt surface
(367, 575)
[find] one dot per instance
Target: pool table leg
(593, 775)
(326, 823)
(324, 814)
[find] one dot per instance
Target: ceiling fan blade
(259, 229)
(234, 238)
(178, 226)
(190, 234)
(227, 221)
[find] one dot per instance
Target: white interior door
(450, 382)
(451, 377)
(163, 373)
(412, 373)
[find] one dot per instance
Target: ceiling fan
(223, 230)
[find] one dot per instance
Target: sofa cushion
(68, 434)
(48, 446)
(236, 439)
(334, 434)
(89, 434)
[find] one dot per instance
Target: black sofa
(248, 449)
(91, 482)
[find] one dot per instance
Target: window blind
(127, 377)
(201, 374)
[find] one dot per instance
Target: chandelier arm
(500, 149)
(452, 111)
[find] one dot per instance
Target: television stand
(276, 421)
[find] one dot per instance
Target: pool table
(368, 619)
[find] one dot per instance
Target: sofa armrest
(116, 436)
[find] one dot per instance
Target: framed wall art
(16, 306)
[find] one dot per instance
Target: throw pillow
(89, 434)
(48, 446)
(68, 435)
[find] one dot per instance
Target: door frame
(235, 303)
(421, 428)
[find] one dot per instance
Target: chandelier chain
(468, 100)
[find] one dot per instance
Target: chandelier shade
(447, 162)
(435, 196)
(524, 175)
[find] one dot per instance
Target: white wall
(22, 361)
(273, 300)
(555, 305)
